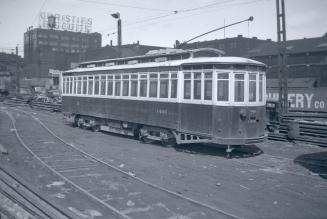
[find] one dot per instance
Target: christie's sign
(65, 22)
(303, 100)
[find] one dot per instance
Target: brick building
(306, 59)
(10, 69)
(46, 49)
(111, 52)
(235, 46)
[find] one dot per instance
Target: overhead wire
(196, 14)
(37, 14)
(124, 6)
(173, 12)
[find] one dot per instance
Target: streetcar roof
(171, 63)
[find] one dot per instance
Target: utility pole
(282, 58)
(119, 38)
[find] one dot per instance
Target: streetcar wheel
(75, 123)
(95, 128)
(171, 142)
(80, 123)
(145, 140)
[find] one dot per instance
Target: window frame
(229, 88)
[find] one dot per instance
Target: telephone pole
(282, 58)
(119, 37)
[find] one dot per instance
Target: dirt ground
(268, 180)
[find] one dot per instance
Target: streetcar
(174, 96)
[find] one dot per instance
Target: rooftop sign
(65, 22)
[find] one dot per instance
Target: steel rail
(119, 213)
(130, 175)
(36, 205)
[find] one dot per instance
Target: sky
(161, 22)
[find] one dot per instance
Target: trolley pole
(282, 58)
(224, 27)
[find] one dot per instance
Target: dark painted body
(221, 124)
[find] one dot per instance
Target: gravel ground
(268, 180)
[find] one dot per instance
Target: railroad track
(124, 193)
(18, 199)
(260, 163)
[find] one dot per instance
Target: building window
(64, 37)
(239, 88)
(222, 86)
(52, 43)
(232, 45)
(54, 36)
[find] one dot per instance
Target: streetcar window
(125, 85)
(96, 85)
(207, 86)
(117, 85)
(134, 84)
(64, 85)
(187, 86)
(90, 85)
(173, 85)
(74, 85)
(79, 85)
(164, 82)
(153, 85)
(103, 85)
(143, 85)
(239, 88)
(85, 85)
(222, 86)
(260, 87)
(252, 87)
(197, 86)
(110, 85)
(67, 85)
(70, 85)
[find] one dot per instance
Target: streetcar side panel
(233, 124)
(153, 113)
(196, 118)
